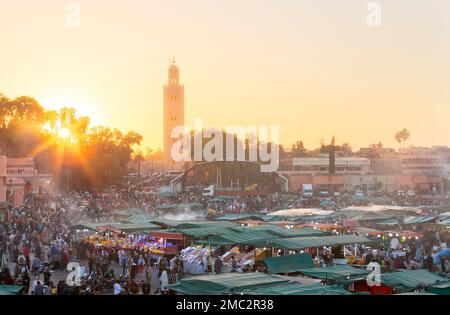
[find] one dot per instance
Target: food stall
(196, 259)
(168, 243)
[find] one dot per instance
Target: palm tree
(406, 134)
(402, 136)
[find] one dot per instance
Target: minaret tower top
(174, 73)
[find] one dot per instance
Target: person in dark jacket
(146, 288)
(133, 270)
(234, 265)
(218, 265)
(429, 263)
(443, 264)
(47, 275)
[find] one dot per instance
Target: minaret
(332, 158)
(173, 110)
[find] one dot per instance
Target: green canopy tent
(288, 263)
(226, 224)
(225, 283)
(269, 218)
(420, 220)
(440, 288)
(175, 224)
(253, 238)
(137, 227)
(297, 289)
(387, 222)
(10, 289)
(409, 280)
(168, 194)
(250, 216)
(282, 232)
(445, 215)
(139, 218)
(191, 224)
(416, 293)
(365, 216)
(446, 221)
(233, 217)
(206, 231)
(319, 241)
(339, 273)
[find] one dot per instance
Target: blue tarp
(443, 253)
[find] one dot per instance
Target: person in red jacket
(26, 253)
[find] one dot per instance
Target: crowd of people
(37, 244)
(35, 240)
(141, 192)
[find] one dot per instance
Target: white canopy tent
(381, 208)
(301, 212)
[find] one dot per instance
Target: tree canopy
(79, 155)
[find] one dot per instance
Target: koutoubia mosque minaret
(173, 110)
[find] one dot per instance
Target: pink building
(2, 178)
(20, 179)
(334, 183)
(420, 183)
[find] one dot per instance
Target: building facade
(424, 161)
(424, 170)
(370, 183)
(387, 166)
(3, 176)
(21, 179)
(320, 166)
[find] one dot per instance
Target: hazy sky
(314, 68)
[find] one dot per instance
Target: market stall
(340, 274)
(289, 263)
(406, 281)
(199, 260)
(169, 243)
(342, 246)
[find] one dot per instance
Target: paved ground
(58, 275)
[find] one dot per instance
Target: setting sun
(64, 133)
(83, 106)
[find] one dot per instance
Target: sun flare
(64, 133)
